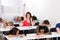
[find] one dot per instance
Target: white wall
(9, 2)
(11, 8)
(44, 9)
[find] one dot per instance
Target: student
(27, 21)
(2, 22)
(22, 18)
(34, 21)
(14, 34)
(21, 22)
(46, 23)
(43, 30)
(18, 19)
(9, 24)
(58, 27)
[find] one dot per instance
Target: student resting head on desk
(9, 24)
(14, 34)
(46, 23)
(58, 27)
(42, 30)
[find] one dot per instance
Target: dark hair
(43, 27)
(22, 18)
(13, 31)
(46, 22)
(0, 19)
(17, 18)
(29, 14)
(34, 18)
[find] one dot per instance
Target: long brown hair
(29, 14)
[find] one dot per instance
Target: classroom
(29, 20)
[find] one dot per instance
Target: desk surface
(27, 28)
(4, 29)
(20, 28)
(34, 36)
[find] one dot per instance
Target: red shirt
(26, 23)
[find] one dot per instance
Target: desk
(27, 28)
(4, 29)
(20, 28)
(34, 36)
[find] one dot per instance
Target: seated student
(46, 23)
(19, 20)
(58, 30)
(43, 30)
(34, 21)
(2, 22)
(58, 27)
(27, 21)
(14, 34)
(9, 24)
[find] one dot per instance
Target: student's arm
(58, 30)
(22, 35)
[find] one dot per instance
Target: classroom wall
(11, 8)
(0, 9)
